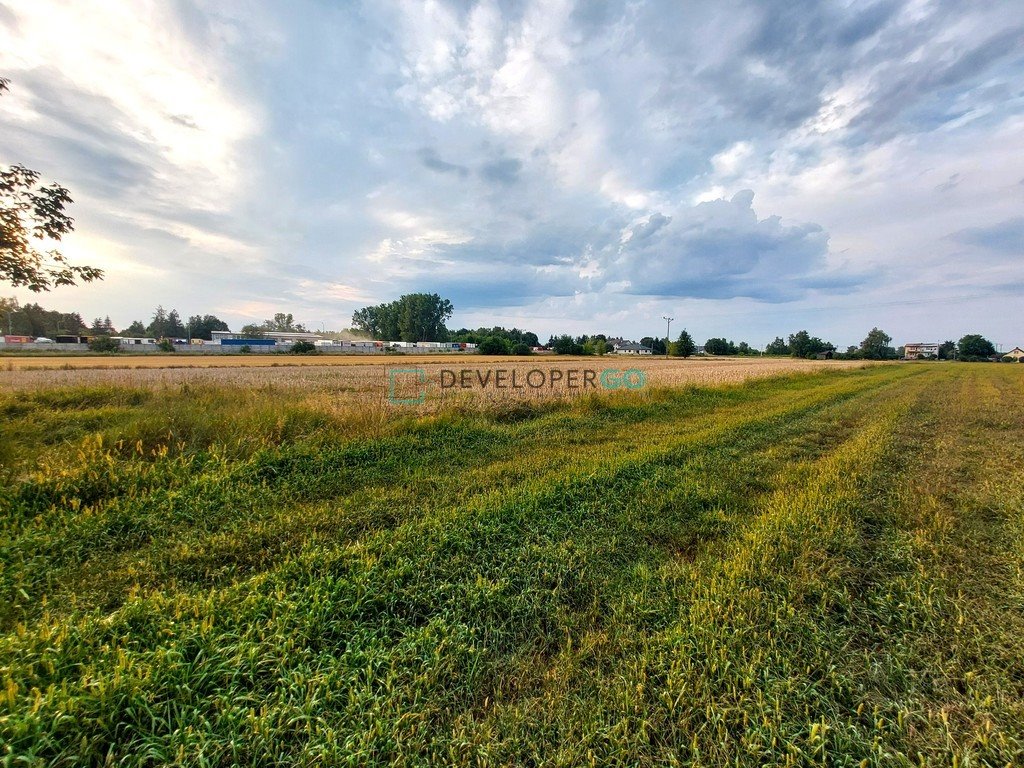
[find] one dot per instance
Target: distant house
(826, 355)
(921, 349)
(630, 348)
(1014, 354)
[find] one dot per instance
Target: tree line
(35, 320)
(421, 317)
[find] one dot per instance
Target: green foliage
(135, 331)
(104, 344)
(245, 349)
(512, 336)
(777, 347)
(974, 347)
(283, 322)
(947, 350)
(165, 345)
(656, 344)
(30, 211)
(303, 348)
(684, 346)
(717, 346)
(35, 320)
(802, 344)
(203, 326)
(413, 317)
(565, 345)
(493, 345)
(876, 346)
(101, 326)
(521, 349)
(165, 325)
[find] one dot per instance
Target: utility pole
(668, 332)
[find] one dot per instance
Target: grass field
(816, 569)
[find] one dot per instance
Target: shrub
(104, 344)
(520, 349)
(303, 348)
(166, 345)
(245, 349)
(492, 345)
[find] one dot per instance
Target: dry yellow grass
(199, 360)
(341, 383)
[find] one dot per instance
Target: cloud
(504, 171)
(558, 161)
(428, 156)
(721, 249)
(1005, 237)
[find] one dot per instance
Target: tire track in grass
(631, 692)
(825, 636)
(943, 603)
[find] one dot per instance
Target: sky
(748, 169)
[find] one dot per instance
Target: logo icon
(398, 384)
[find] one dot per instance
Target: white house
(630, 348)
(921, 349)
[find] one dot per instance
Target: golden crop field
(200, 360)
(361, 379)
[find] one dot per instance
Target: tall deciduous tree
(31, 212)
(876, 346)
(203, 326)
(802, 344)
(413, 317)
(716, 346)
(974, 345)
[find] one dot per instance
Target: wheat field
(359, 380)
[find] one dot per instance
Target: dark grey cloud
(903, 87)
(1005, 237)
(429, 157)
(504, 171)
(647, 228)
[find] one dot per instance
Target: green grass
(819, 569)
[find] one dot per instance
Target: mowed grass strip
(698, 590)
(90, 528)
